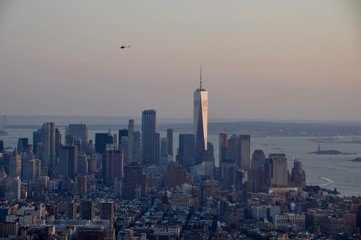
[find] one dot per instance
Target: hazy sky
(264, 60)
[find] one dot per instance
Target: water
(331, 171)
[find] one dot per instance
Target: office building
(70, 210)
(123, 146)
(276, 170)
(200, 119)
(186, 151)
(44, 144)
(174, 176)
(101, 141)
(298, 175)
(137, 147)
(245, 152)
(164, 147)
(112, 166)
(68, 162)
(135, 181)
(81, 185)
(82, 164)
(130, 140)
(23, 144)
(223, 147)
(170, 141)
(48, 140)
(107, 210)
(257, 171)
(228, 173)
(36, 141)
(122, 133)
(87, 209)
(28, 169)
(239, 148)
(15, 164)
(16, 188)
(79, 131)
(149, 138)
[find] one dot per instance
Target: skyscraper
(170, 141)
(68, 163)
(48, 140)
(200, 119)
(130, 139)
(223, 147)
(101, 141)
(87, 209)
(79, 131)
(112, 166)
(245, 154)
(257, 173)
(186, 154)
(276, 170)
(135, 181)
(149, 128)
(137, 147)
(15, 164)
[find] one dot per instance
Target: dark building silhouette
(257, 173)
(87, 209)
(107, 210)
(36, 140)
(174, 176)
(276, 172)
(245, 154)
(82, 164)
(164, 147)
(112, 166)
(239, 150)
(68, 162)
(135, 181)
(150, 140)
(1, 145)
(101, 141)
(228, 173)
(298, 175)
(130, 140)
(186, 151)
(23, 144)
(223, 147)
(122, 133)
(137, 147)
(70, 210)
(170, 141)
(44, 144)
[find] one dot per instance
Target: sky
(262, 60)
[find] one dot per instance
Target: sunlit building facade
(200, 119)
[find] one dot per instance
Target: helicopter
(124, 46)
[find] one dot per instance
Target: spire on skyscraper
(200, 80)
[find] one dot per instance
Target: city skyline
(276, 60)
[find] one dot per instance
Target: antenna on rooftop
(200, 81)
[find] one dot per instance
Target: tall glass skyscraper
(149, 138)
(200, 118)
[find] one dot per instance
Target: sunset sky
(262, 60)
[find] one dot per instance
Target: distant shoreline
(331, 152)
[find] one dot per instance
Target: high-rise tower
(200, 118)
(149, 138)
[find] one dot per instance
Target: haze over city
(262, 60)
